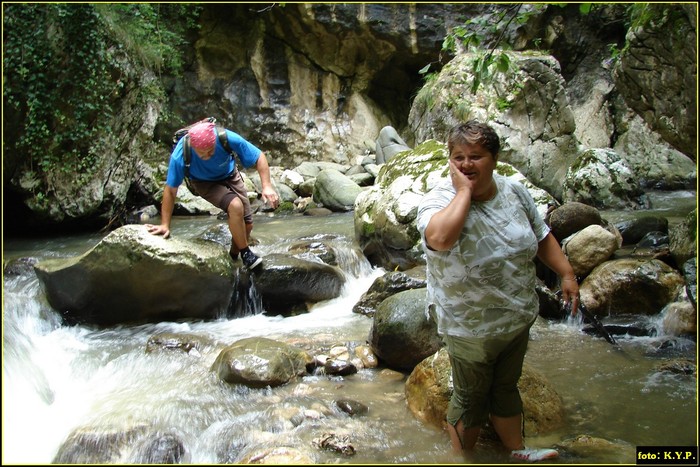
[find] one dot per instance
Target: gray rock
(401, 335)
(388, 144)
(132, 275)
(259, 362)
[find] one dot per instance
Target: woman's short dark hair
(474, 132)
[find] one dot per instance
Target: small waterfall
(245, 300)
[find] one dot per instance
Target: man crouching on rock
(215, 177)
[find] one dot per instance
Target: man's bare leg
(234, 249)
(239, 230)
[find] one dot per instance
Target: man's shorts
(220, 193)
(485, 374)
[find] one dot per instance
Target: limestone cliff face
(657, 74)
(312, 81)
(317, 82)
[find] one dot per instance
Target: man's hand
(163, 230)
(270, 196)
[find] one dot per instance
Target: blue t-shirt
(219, 167)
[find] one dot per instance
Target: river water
(57, 378)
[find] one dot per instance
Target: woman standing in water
(481, 232)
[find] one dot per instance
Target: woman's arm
(445, 226)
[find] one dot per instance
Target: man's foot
(233, 254)
(534, 455)
(250, 259)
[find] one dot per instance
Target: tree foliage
(63, 73)
(471, 36)
(491, 59)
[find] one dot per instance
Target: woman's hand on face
(459, 180)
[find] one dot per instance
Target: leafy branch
(471, 36)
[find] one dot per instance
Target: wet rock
(286, 282)
(159, 448)
(630, 286)
(680, 319)
(366, 356)
(679, 367)
(339, 367)
(334, 442)
(187, 343)
(259, 362)
(401, 335)
(428, 390)
(98, 445)
(389, 284)
(20, 266)
(134, 276)
(634, 230)
(351, 407)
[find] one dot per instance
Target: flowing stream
(57, 378)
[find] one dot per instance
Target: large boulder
(259, 362)
(630, 286)
(335, 191)
(132, 275)
(601, 178)
(389, 143)
(286, 283)
(401, 335)
(527, 105)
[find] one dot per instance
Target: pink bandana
(202, 136)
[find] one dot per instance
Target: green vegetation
(152, 32)
(64, 73)
(470, 37)
(285, 207)
(492, 59)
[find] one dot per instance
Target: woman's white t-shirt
(485, 285)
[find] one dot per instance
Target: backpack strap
(187, 155)
(223, 139)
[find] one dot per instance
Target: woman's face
(477, 163)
